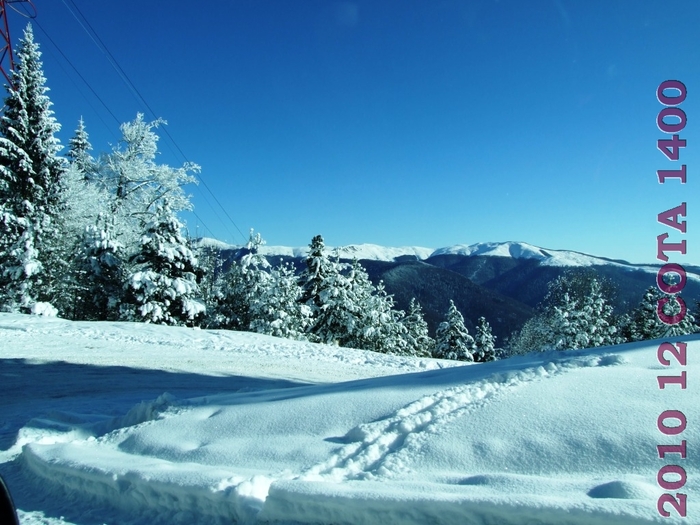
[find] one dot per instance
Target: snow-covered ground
(138, 424)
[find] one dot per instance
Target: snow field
(556, 438)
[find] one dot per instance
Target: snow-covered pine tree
(597, 317)
(277, 310)
(485, 342)
(378, 327)
(452, 339)
(335, 312)
(87, 206)
(31, 190)
(211, 264)
(243, 283)
(624, 325)
(696, 316)
(318, 267)
(567, 330)
(646, 324)
(99, 274)
(326, 292)
(79, 149)
(346, 309)
(163, 286)
(686, 325)
(578, 314)
(229, 303)
(534, 336)
(418, 340)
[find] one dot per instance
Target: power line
(81, 77)
(125, 78)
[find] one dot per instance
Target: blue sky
(398, 122)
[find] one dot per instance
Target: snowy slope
(136, 424)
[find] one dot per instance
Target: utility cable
(125, 78)
(77, 72)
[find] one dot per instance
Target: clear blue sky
(399, 122)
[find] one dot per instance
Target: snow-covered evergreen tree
(567, 324)
(535, 335)
(79, 149)
(687, 324)
(646, 323)
(240, 286)
(452, 339)
(346, 308)
(229, 302)
(485, 342)
(334, 308)
(100, 274)
(163, 286)
(318, 267)
(31, 189)
(277, 310)
(418, 340)
(211, 264)
(378, 327)
(576, 314)
(86, 207)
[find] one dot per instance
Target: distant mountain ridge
(512, 249)
(502, 281)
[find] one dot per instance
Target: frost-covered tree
(378, 327)
(79, 149)
(211, 263)
(240, 286)
(31, 190)
(138, 184)
(452, 339)
(99, 274)
(86, 207)
(418, 340)
(318, 267)
(163, 286)
(346, 308)
(485, 342)
(576, 313)
(567, 324)
(335, 312)
(535, 335)
(276, 310)
(646, 324)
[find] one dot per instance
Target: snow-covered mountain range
(510, 249)
(502, 281)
